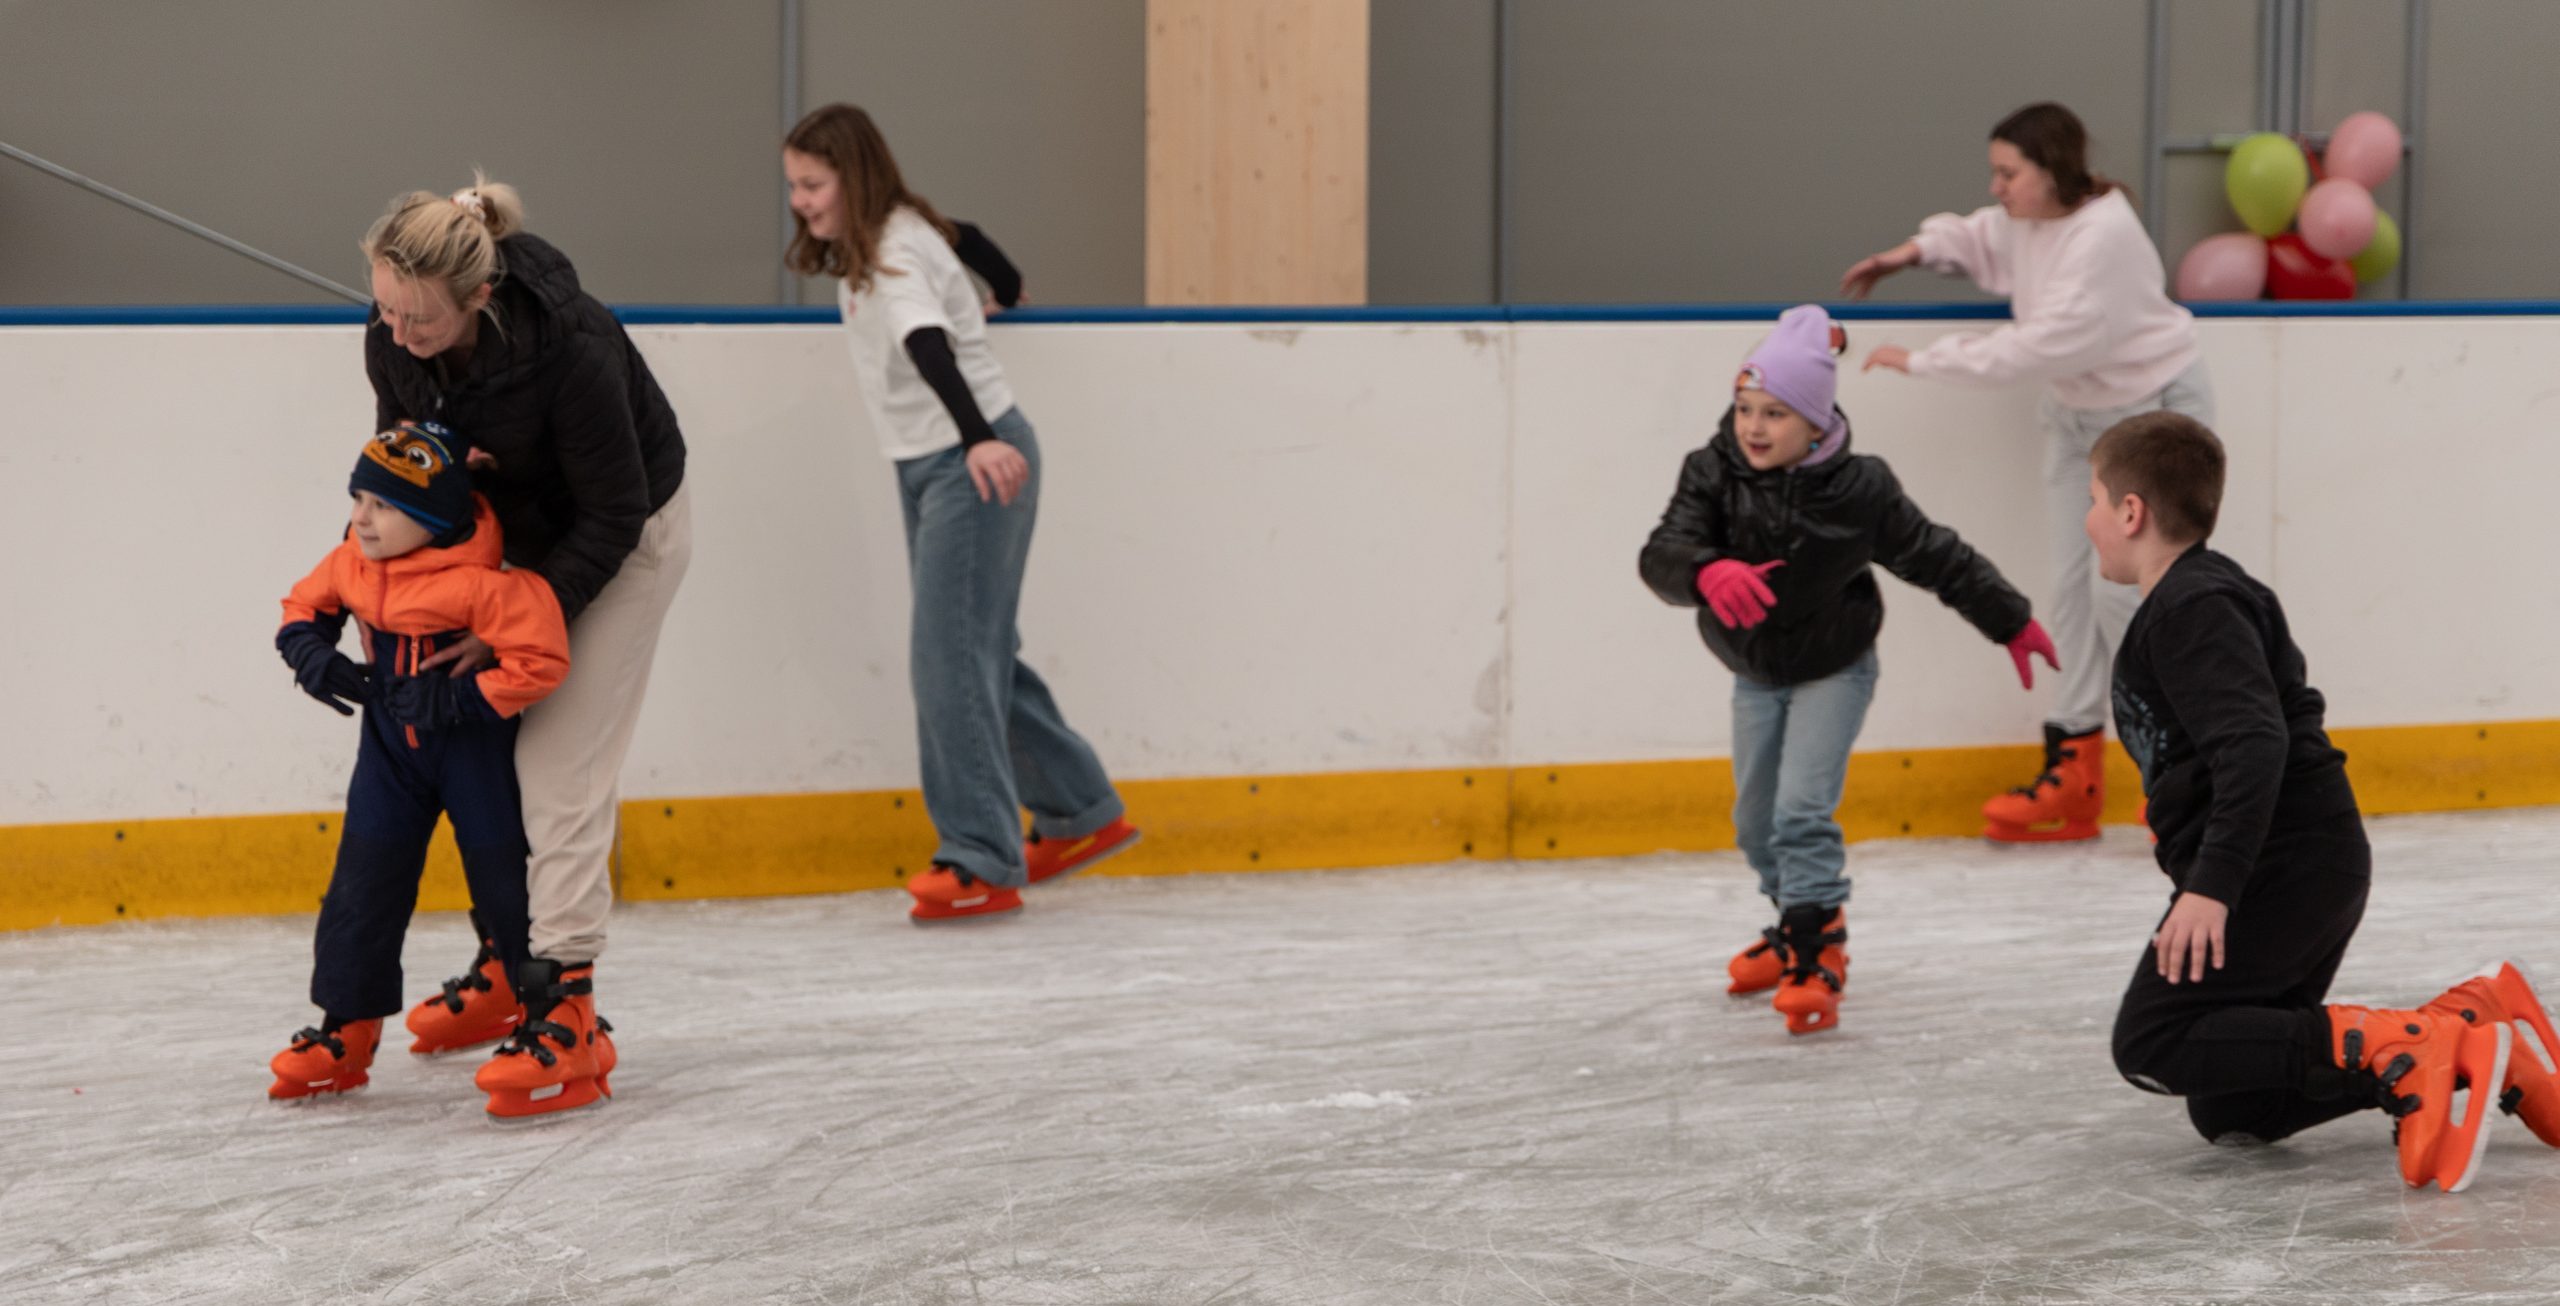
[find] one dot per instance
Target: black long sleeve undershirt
(930, 348)
(981, 256)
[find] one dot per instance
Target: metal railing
(196, 229)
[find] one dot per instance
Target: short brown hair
(2173, 461)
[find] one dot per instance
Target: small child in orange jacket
(419, 568)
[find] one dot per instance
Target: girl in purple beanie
(1770, 535)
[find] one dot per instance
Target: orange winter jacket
(431, 591)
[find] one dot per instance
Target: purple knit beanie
(1795, 366)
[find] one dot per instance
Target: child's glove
(435, 701)
(2023, 648)
(1737, 592)
(323, 672)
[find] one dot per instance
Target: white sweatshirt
(2088, 294)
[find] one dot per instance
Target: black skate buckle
(2511, 1099)
(528, 1039)
(306, 1036)
(452, 999)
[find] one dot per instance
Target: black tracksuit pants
(2248, 1047)
(403, 780)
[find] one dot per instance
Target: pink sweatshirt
(2087, 292)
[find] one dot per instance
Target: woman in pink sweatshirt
(2093, 322)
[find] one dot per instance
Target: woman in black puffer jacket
(483, 327)
(1771, 535)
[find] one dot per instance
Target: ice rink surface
(1475, 1083)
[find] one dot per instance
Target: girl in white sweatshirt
(2092, 321)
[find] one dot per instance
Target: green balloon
(2381, 254)
(2265, 179)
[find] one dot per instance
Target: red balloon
(2295, 272)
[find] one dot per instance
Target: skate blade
(1096, 860)
(2064, 833)
(515, 1106)
(2483, 1062)
(299, 1093)
(425, 1051)
(934, 914)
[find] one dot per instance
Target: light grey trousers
(2087, 615)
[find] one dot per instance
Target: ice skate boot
(947, 893)
(2503, 992)
(330, 1059)
(2412, 1062)
(477, 1006)
(1815, 941)
(2061, 804)
(1757, 969)
(552, 1063)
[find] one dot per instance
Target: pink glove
(2023, 649)
(1736, 592)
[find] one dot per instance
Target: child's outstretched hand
(2024, 647)
(1738, 592)
(2193, 928)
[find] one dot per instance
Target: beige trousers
(569, 751)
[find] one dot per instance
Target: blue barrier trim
(84, 315)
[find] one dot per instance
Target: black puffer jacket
(586, 446)
(1828, 521)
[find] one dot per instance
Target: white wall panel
(1263, 549)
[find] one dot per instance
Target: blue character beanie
(418, 467)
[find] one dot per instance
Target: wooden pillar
(1257, 151)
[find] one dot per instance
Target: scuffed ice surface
(1477, 1083)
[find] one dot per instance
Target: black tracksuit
(2252, 808)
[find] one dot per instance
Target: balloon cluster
(2310, 236)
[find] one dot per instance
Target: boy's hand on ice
(2193, 927)
(2024, 648)
(1893, 356)
(1738, 592)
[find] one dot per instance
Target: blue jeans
(991, 738)
(1790, 761)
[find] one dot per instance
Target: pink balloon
(2337, 218)
(2232, 265)
(2365, 149)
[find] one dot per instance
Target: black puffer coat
(1828, 521)
(586, 445)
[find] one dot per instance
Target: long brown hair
(2053, 139)
(845, 139)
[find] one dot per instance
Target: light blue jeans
(1790, 762)
(991, 738)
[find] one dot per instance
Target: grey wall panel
(2213, 67)
(639, 131)
(1027, 117)
(1681, 150)
(2488, 189)
(1431, 151)
(2213, 90)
